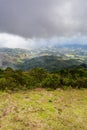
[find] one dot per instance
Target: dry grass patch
(44, 110)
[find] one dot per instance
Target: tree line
(15, 80)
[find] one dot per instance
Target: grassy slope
(44, 110)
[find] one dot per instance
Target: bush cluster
(67, 78)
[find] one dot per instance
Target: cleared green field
(44, 110)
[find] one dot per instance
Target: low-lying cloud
(37, 23)
(15, 41)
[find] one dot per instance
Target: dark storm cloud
(43, 18)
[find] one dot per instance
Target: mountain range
(50, 58)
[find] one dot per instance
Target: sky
(36, 23)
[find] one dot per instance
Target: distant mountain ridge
(50, 58)
(9, 57)
(51, 63)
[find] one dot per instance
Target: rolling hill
(50, 63)
(50, 58)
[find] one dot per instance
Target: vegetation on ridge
(67, 78)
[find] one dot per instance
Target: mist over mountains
(48, 57)
(53, 30)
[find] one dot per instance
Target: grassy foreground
(44, 110)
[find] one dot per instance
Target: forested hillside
(50, 58)
(50, 63)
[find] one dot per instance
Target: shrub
(52, 81)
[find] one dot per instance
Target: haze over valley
(48, 57)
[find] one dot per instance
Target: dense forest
(21, 80)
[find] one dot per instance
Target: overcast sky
(28, 23)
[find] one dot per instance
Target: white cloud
(15, 41)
